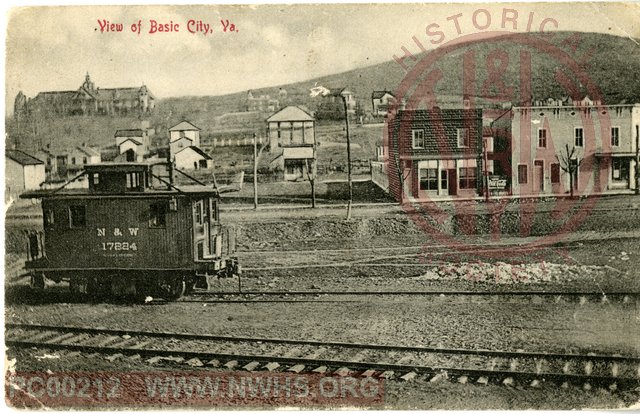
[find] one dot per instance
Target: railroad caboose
(132, 232)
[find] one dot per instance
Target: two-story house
(435, 153)
(381, 101)
(550, 136)
(183, 135)
(133, 143)
(292, 142)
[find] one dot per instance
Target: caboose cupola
(126, 177)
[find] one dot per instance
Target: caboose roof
(179, 190)
(125, 167)
(121, 166)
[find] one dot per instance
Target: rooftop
(129, 133)
(184, 126)
(22, 157)
(290, 113)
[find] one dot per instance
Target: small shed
(23, 172)
(133, 150)
(192, 158)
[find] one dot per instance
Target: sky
(52, 48)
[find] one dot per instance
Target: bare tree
(311, 175)
(569, 163)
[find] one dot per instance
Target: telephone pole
(255, 172)
(637, 159)
(346, 119)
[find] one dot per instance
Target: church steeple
(88, 85)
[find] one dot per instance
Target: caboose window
(77, 216)
(213, 207)
(198, 211)
(158, 214)
(133, 181)
(48, 218)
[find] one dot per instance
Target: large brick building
(435, 153)
(601, 137)
(88, 100)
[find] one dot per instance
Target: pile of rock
(506, 273)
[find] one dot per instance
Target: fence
(236, 142)
(379, 175)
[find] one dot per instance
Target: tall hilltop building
(88, 100)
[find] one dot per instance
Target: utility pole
(486, 169)
(255, 172)
(169, 157)
(346, 118)
(637, 160)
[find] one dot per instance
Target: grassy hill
(613, 65)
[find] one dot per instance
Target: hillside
(613, 65)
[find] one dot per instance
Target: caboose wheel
(79, 285)
(37, 281)
(174, 287)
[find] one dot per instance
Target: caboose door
(201, 229)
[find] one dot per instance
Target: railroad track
(250, 354)
(319, 296)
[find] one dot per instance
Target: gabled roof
(180, 139)
(197, 151)
(22, 157)
(132, 140)
(380, 94)
(338, 91)
(129, 133)
(108, 94)
(290, 113)
(184, 126)
(92, 94)
(54, 96)
(92, 152)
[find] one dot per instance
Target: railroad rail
(301, 296)
(252, 353)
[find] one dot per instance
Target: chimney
(466, 102)
(403, 105)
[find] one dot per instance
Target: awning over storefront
(615, 154)
(297, 153)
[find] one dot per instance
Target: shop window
(468, 177)
(428, 179)
(620, 170)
